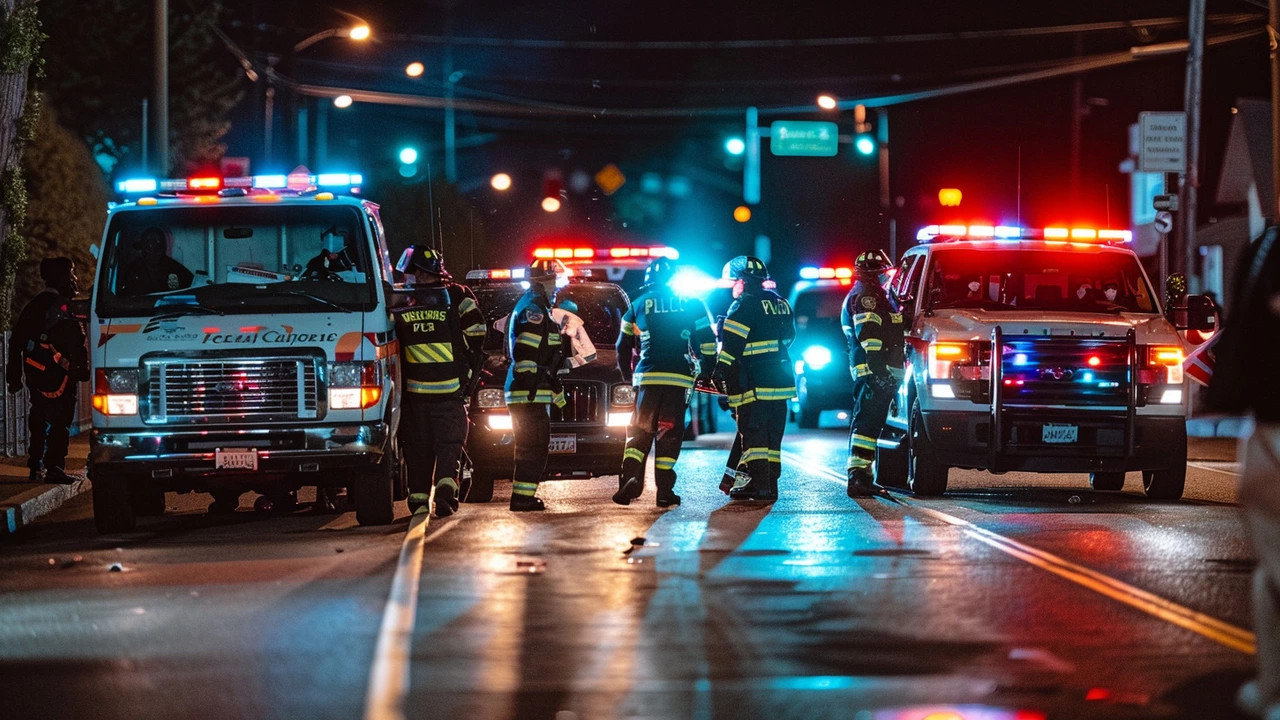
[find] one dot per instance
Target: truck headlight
(490, 398)
(816, 356)
(499, 421)
(619, 419)
(117, 380)
(354, 385)
(623, 395)
(115, 391)
(347, 374)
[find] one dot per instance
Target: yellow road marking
(1225, 633)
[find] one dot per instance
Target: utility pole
(1273, 27)
(751, 159)
(450, 119)
(1191, 103)
(161, 131)
(886, 198)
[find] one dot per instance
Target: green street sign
(802, 137)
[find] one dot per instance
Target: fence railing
(14, 407)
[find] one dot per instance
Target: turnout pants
(531, 424)
(1260, 501)
(761, 424)
(870, 408)
(432, 433)
(49, 423)
(658, 421)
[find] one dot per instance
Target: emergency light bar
(581, 253)
(825, 273)
(940, 233)
(300, 182)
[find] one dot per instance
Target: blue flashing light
(692, 282)
(1020, 359)
(340, 179)
(270, 181)
(1088, 377)
(809, 273)
(1007, 231)
(735, 146)
(137, 185)
(817, 357)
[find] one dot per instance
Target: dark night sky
(816, 209)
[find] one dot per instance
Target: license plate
(235, 459)
(1056, 433)
(563, 444)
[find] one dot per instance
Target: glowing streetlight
(342, 101)
(359, 32)
(742, 213)
(826, 102)
(735, 146)
(415, 69)
(501, 181)
(551, 204)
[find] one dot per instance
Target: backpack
(47, 371)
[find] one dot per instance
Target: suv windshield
(1099, 282)
(819, 306)
(600, 305)
(236, 258)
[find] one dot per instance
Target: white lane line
(389, 676)
(1218, 467)
(1234, 637)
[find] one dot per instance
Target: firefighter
(537, 351)
(756, 373)
(874, 326)
(441, 332)
(671, 330)
(718, 303)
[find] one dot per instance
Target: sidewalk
(21, 502)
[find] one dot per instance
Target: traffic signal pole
(1273, 27)
(751, 159)
(886, 198)
(161, 106)
(1191, 102)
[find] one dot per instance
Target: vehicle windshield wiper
(187, 310)
(314, 298)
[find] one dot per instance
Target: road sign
(1165, 202)
(610, 178)
(1162, 142)
(801, 137)
(1164, 222)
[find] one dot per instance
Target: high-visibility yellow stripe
(751, 454)
(559, 400)
(726, 358)
(784, 393)
(466, 306)
(664, 463)
(530, 339)
(863, 442)
(737, 328)
(431, 353)
(743, 399)
(524, 488)
(663, 378)
(857, 462)
(861, 370)
(521, 397)
(475, 330)
(867, 317)
(442, 387)
(707, 348)
(553, 338)
(872, 345)
(526, 366)
(633, 454)
(760, 348)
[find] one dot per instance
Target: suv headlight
(490, 398)
(623, 395)
(817, 356)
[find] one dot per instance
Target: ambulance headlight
(623, 395)
(119, 380)
(346, 374)
(490, 398)
(816, 357)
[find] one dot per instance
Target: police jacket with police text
(671, 331)
(439, 340)
(537, 350)
(873, 325)
(754, 362)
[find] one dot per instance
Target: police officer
(671, 331)
(756, 373)
(873, 326)
(537, 351)
(440, 332)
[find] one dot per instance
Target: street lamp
(415, 69)
(342, 101)
(357, 33)
(550, 204)
(826, 102)
(501, 181)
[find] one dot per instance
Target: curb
(24, 509)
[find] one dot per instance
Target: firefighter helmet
(659, 272)
(421, 258)
(872, 262)
(746, 267)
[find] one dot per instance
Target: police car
(240, 340)
(820, 349)
(623, 266)
(589, 434)
(1042, 350)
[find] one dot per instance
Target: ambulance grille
(232, 390)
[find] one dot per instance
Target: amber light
(369, 396)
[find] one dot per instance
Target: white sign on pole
(1162, 142)
(1164, 221)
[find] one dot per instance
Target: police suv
(240, 340)
(1036, 350)
(823, 381)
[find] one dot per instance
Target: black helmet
(872, 262)
(544, 271)
(746, 267)
(659, 272)
(421, 258)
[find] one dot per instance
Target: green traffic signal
(864, 144)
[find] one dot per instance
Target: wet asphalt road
(1015, 596)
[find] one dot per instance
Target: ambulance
(1041, 350)
(240, 341)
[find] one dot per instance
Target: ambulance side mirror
(397, 295)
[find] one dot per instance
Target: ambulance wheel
(146, 501)
(1168, 483)
(1107, 481)
(926, 476)
(112, 505)
(808, 416)
(481, 490)
(375, 492)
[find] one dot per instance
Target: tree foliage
(67, 204)
(99, 59)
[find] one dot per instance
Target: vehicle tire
(112, 504)
(808, 416)
(1169, 483)
(1107, 481)
(375, 491)
(146, 501)
(891, 466)
(926, 476)
(481, 487)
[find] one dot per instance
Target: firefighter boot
(526, 503)
(745, 488)
(861, 483)
(667, 497)
(419, 503)
(768, 492)
(446, 498)
(629, 490)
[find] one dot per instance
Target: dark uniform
(758, 377)
(671, 331)
(536, 349)
(440, 334)
(873, 325)
(47, 349)
(718, 303)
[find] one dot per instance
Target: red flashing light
(204, 183)
(1056, 233)
(544, 253)
(1084, 234)
(1094, 361)
(500, 274)
(619, 252)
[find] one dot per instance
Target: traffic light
(950, 197)
(408, 162)
(551, 187)
(864, 144)
(735, 146)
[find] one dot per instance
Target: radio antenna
(1019, 186)
(431, 209)
(471, 216)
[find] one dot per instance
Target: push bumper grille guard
(995, 439)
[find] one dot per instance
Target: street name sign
(803, 137)
(1162, 142)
